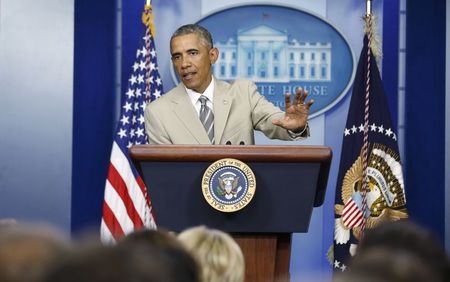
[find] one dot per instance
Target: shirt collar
(209, 92)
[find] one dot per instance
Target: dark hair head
(160, 239)
(27, 252)
(202, 33)
(127, 262)
(406, 237)
(386, 265)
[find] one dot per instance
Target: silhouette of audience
(393, 251)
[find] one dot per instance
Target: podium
(290, 181)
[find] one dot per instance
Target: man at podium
(205, 110)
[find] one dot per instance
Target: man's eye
(193, 52)
(176, 57)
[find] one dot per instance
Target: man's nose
(185, 62)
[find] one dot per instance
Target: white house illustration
(264, 54)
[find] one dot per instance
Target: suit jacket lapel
(187, 115)
(222, 106)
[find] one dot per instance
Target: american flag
(126, 205)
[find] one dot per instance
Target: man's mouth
(188, 75)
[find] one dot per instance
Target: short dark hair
(203, 33)
(127, 262)
(407, 237)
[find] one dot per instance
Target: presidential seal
(228, 185)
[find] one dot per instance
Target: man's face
(192, 61)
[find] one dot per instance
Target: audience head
(142, 256)
(406, 236)
(157, 238)
(219, 255)
(383, 265)
(168, 244)
(7, 223)
(399, 251)
(26, 253)
(127, 262)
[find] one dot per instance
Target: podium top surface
(258, 153)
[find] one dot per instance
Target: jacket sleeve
(264, 112)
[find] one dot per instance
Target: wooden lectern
(290, 181)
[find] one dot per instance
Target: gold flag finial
(147, 18)
(370, 28)
(368, 7)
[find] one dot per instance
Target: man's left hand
(296, 115)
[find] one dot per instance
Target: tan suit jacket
(238, 110)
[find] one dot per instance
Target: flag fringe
(147, 19)
(330, 255)
(375, 42)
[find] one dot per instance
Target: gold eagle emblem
(385, 194)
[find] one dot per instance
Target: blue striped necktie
(207, 118)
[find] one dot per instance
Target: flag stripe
(111, 222)
(118, 208)
(357, 219)
(350, 220)
(351, 214)
(136, 193)
(119, 185)
(105, 232)
(348, 210)
(151, 222)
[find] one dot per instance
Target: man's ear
(213, 55)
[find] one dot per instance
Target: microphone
(241, 143)
(228, 142)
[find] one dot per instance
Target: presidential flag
(127, 205)
(370, 185)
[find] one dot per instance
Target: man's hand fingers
(303, 97)
(309, 103)
(287, 99)
(298, 93)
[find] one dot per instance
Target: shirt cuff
(303, 133)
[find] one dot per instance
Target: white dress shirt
(209, 93)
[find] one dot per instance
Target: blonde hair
(218, 254)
